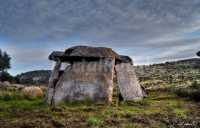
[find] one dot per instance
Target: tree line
(4, 61)
(4, 66)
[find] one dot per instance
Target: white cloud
(156, 29)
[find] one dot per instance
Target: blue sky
(150, 31)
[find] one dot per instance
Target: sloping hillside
(170, 73)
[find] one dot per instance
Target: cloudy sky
(150, 31)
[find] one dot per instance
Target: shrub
(193, 94)
(8, 96)
(5, 76)
(4, 61)
(94, 121)
(195, 85)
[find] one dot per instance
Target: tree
(4, 61)
(198, 53)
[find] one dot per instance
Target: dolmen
(87, 73)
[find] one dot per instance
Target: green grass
(10, 95)
(160, 109)
(181, 112)
(94, 121)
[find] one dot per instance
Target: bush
(195, 85)
(5, 76)
(94, 121)
(193, 94)
(8, 96)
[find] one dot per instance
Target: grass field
(160, 109)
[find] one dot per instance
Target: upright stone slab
(52, 83)
(86, 81)
(128, 83)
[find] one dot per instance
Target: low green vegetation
(191, 92)
(173, 102)
(94, 121)
(159, 109)
(170, 74)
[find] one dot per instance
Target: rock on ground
(6, 84)
(33, 92)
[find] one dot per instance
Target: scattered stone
(33, 92)
(6, 84)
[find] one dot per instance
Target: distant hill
(182, 72)
(35, 77)
(190, 63)
(169, 72)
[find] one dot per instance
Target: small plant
(195, 85)
(94, 121)
(180, 112)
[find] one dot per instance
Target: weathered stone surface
(124, 59)
(88, 51)
(78, 53)
(90, 75)
(6, 84)
(128, 82)
(52, 83)
(86, 81)
(33, 92)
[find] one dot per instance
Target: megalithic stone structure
(89, 76)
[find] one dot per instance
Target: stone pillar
(128, 83)
(111, 63)
(52, 83)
